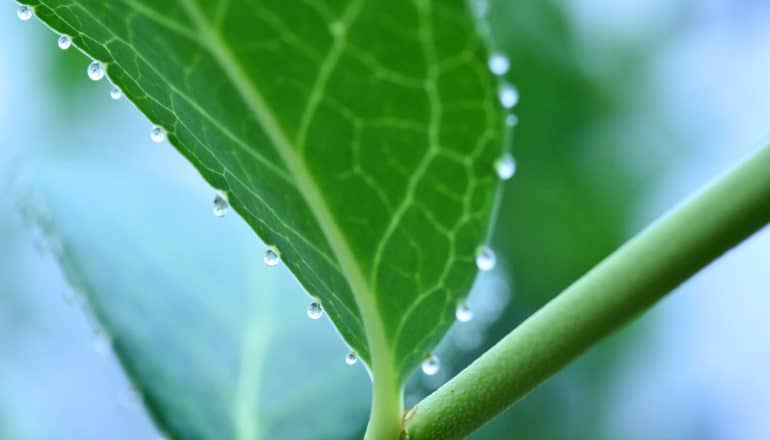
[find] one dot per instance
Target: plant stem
(387, 410)
(626, 283)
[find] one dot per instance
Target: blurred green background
(626, 108)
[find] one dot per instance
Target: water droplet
(101, 342)
(64, 42)
(157, 134)
(505, 166)
(511, 120)
(486, 259)
(24, 12)
(271, 258)
(509, 95)
(116, 93)
(480, 8)
(220, 206)
(337, 28)
(430, 365)
(314, 310)
(464, 313)
(351, 358)
(499, 63)
(96, 70)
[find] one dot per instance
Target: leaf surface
(356, 137)
(218, 345)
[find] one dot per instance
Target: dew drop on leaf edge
(431, 365)
(463, 313)
(485, 259)
(351, 358)
(220, 206)
(157, 134)
(508, 95)
(505, 166)
(499, 63)
(271, 257)
(24, 12)
(64, 42)
(96, 70)
(314, 310)
(116, 93)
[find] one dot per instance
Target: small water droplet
(116, 93)
(271, 258)
(430, 365)
(351, 358)
(499, 63)
(509, 95)
(220, 206)
(511, 120)
(337, 28)
(101, 343)
(96, 70)
(464, 313)
(64, 42)
(157, 134)
(486, 259)
(314, 310)
(480, 8)
(24, 12)
(505, 166)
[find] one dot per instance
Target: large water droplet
(220, 206)
(509, 95)
(314, 310)
(485, 259)
(430, 365)
(64, 42)
(96, 70)
(505, 166)
(351, 358)
(499, 63)
(24, 12)
(157, 134)
(271, 258)
(116, 93)
(464, 313)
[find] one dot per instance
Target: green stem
(625, 284)
(387, 410)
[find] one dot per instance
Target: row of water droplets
(96, 70)
(505, 166)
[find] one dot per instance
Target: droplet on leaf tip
(431, 365)
(499, 63)
(463, 313)
(505, 166)
(116, 93)
(220, 206)
(351, 358)
(508, 95)
(271, 258)
(157, 134)
(64, 42)
(511, 120)
(485, 259)
(314, 310)
(24, 12)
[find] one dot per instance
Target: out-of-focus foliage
(217, 344)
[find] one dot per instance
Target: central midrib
(381, 357)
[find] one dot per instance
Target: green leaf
(357, 137)
(214, 347)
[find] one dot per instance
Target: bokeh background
(626, 108)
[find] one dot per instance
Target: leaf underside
(357, 137)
